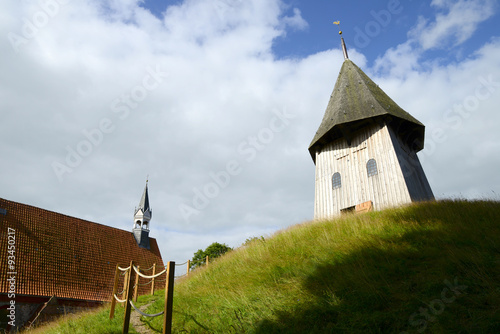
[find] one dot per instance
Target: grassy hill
(429, 267)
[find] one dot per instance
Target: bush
(213, 251)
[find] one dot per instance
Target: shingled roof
(357, 100)
(66, 256)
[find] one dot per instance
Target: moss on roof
(356, 98)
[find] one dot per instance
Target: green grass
(91, 322)
(379, 272)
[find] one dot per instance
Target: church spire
(144, 203)
(142, 217)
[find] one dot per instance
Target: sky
(215, 102)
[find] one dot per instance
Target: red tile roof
(65, 256)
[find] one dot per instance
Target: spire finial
(344, 48)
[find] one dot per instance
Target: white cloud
(296, 21)
(217, 90)
(454, 24)
(87, 69)
(457, 103)
(399, 61)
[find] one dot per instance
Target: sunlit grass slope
(432, 267)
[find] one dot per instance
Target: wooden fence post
(169, 298)
(136, 287)
(115, 288)
(188, 267)
(153, 280)
(207, 261)
(128, 297)
(125, 280)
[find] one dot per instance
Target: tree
(213, 251)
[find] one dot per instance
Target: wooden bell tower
(365, 149)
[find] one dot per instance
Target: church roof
(65, 256)
(356, 100)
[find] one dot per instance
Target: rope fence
(119, 300)
(144, 284)
(153, 266)
(131, 291)
(144, 314)
(136, 269)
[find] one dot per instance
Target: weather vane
(338, 23)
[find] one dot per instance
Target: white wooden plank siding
(400, 178)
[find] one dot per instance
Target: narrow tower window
(336, 181)
(371, 167)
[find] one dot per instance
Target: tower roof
(144, 203)
(357, 101)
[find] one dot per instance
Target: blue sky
(377, 25)
(99, 94)
(373, 28)
(322, 34)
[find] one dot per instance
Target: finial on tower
(344, 48)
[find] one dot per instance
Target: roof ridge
(62, 214)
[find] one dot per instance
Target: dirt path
(135, 320)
